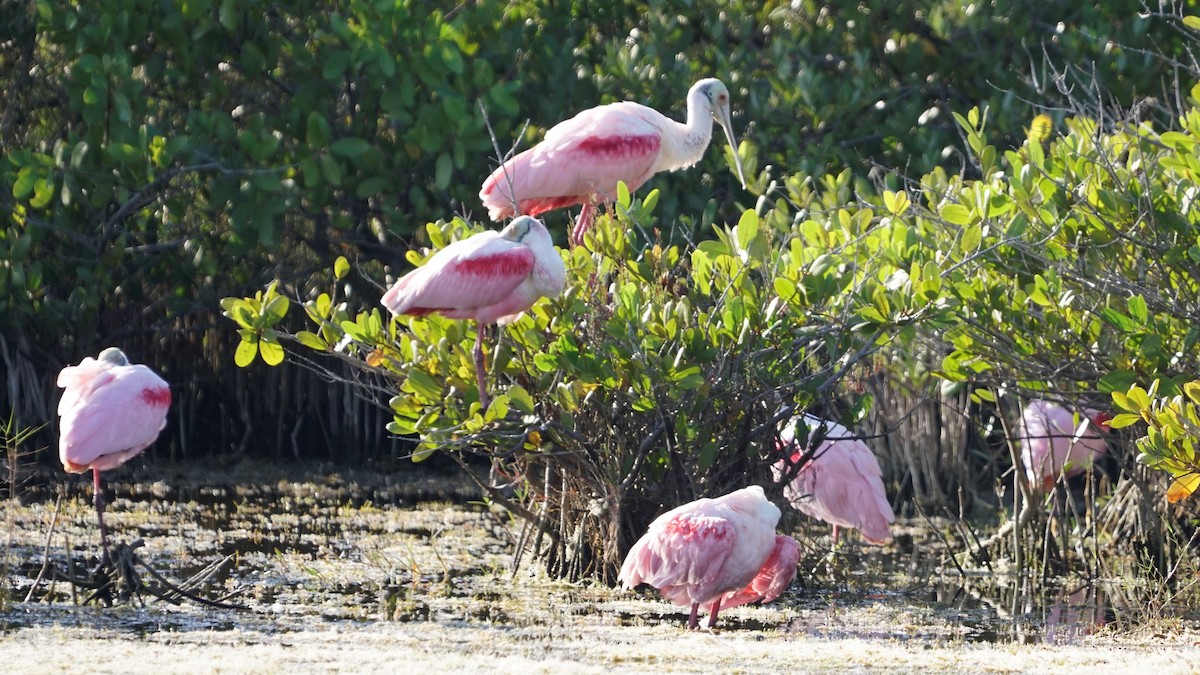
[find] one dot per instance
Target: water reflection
(930, 605)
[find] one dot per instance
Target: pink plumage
(842, 484)
(773, 578)
(1052, 444)
(711, 549)
(581, 160)
(110, 411)
(490, 277)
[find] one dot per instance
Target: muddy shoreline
(353, 571)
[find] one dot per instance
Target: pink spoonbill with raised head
(841, 485)
(581, 159)
(1054, 444)
(110, 411)
(490, 277)
(719, 552)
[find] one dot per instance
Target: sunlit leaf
(1123, 420)
(1183, 487)
(422, 384)
(312, 341)
(245, 353)
(272, 352)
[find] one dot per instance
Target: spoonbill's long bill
(490, 277)
(722, 551)
(110, 411)
(581, 159)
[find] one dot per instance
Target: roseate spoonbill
(491, 277)
(841, 485)
(581, 159)
(716, 551)
(110, 411)
(1053, 445)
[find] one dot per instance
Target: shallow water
(358, 547)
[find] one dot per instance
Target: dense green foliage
(1054, 274)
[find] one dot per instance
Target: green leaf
(422, 384)
(442, 171)
(423, 451)
(872, 314)
(956, 214)
(1138, 310)
(1117, 380)
(1192, 390)
(245, 353)
(331, 170)
(1122, 420)
(275, 310)
(746, 229)
(341, 267)
(497, 408)
(521, 399)
(336, 64)
(316, 132)
(1192, 22)
(1124, 403)
(272, 352)
(687, 378)
(228, 14)
(984, 394)
(122, 152)
(43, 193)
(349, 147)
(1118, 320)
(26, 177)
(369, 187)
(312, 341)
(623, 194)
(547, 363)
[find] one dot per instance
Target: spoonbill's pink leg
(98, 500)
(586, 214)
(712, 617)
(480, 368)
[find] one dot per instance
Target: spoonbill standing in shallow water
(841, 485)
(490, 277)
(581, 159)
(722, 551)
(1052, 444)
(110, 411)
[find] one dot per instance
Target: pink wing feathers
(109, 413)
(1050, 441)
(773, 579)
(843, 485)
(682, 556)
(476, 278)
(585, 155)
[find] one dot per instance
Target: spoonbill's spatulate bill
(581, 159)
